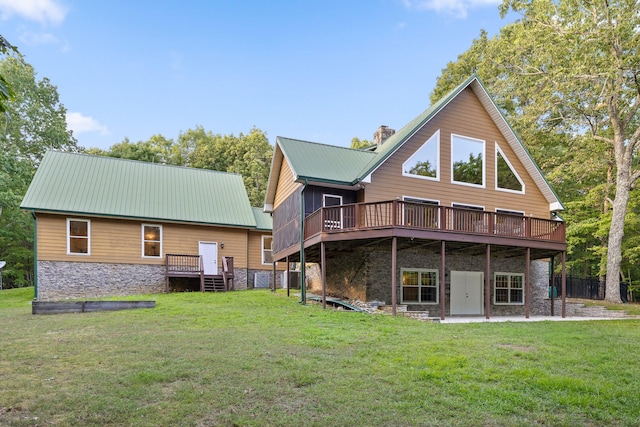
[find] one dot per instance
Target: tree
(359, 144)
(566, 74)
(6, 92)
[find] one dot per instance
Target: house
(449, 215)
(107, 226)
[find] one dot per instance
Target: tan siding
(286, 184)
(120, 241)
(255, 252)
(464, 116)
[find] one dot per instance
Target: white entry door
(466, 292)
(209, 253)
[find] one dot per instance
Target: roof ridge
(325, 145)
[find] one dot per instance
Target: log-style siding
(464, 116)
(120, 241)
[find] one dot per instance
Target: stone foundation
(365, 274)
(59, 280)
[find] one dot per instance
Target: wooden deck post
(274, 277)
(487, 283)
(553, 286)
(527, 284)
(323, 263)
(442, 278)
(394, 291)
(564, 283)
(288, 276)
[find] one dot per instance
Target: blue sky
(323, 71)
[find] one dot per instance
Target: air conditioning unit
(262, 280)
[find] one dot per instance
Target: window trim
(503, 273)
(88, 221)
(420, 271)
(332, 224)
(484, 162)
(145, 240)
(436, 135)
(428, 202)
(467, 206)
(262, 251)
(504, 156)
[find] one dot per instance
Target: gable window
(151, 241)
(507, 178)
(267, 249)
(419, 286)
(424, 162)
(420, 213)
(508, 288)
(78, 236)
(467, 160)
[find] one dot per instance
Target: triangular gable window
(425, 163)
(507, 178)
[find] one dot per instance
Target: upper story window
(421, 213)
(507, 178)
(467, 160)
(78, 236)
(151, 241)
(267, 249)
(424, 163)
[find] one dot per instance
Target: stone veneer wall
(365, 275)
(64, 280)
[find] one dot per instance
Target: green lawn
(253, 358)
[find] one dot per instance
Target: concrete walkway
(482, 319)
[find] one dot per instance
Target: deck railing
(420, 216)
(180, 263)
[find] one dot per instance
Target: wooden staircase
(214, 283)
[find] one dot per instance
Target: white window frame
(159, 256)
(436, 135)
(502, 273)
(69, 220)
(484, 161)
(467, 206)
(427, 202)
(504, 156)
(420, 271)
(335, 225)
(263, 249)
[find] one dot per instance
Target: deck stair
(214, 283)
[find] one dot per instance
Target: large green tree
(6, 92)
(567, 74)
(35, 121)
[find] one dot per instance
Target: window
(509, 223)
(467, 160)
(469, 218)
(420, 213)
(424, 162)
(506, 177)
(267, 249)
(508, 288)
(419, 286)
(151, 241)
(78, 236)
(332, 217)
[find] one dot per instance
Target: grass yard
(254, 358)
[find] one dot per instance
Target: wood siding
(464, 116)
(286, 184)
(255, 257)
(119, 241)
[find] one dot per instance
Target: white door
(209, 253)
(466, 292)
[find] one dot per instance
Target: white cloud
(32, 39)
(80, 123)
(458, 8)
(43, 11)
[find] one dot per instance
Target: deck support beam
(552, 286)
(323, 264)
(487, 283)
(564, 283)
(527, 284)
(442, 278)
(394, 255)
(288, 276)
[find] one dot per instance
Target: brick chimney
(382, 134)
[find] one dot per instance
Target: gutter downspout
(303, 291)
(247, 273)
(35, 255)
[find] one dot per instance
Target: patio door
(466, 292)
(209, 253)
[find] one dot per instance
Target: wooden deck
(184, 265)
(417, 220)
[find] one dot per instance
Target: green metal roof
(326, 163)
(264, 221)
(106, 186)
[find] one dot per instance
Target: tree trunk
(616, 233)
